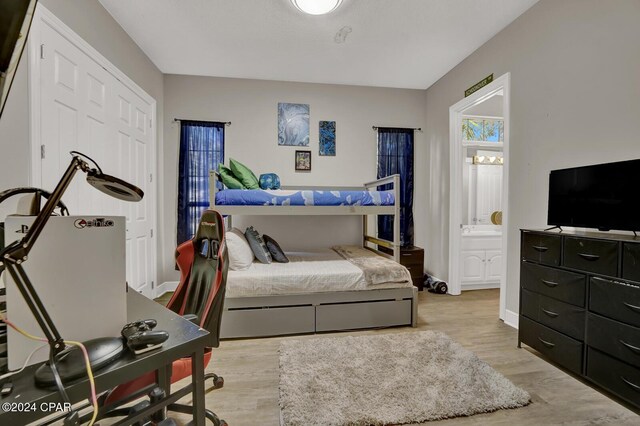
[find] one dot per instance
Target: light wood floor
(250, 370)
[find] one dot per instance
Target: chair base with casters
(199, 298)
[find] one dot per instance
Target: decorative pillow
(240, 253)
(274, 248)
(269, 181)
(244, 174)
(257, 245)
(228, 178)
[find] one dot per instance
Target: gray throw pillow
(274, 248)
(258, 245)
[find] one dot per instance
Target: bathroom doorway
(478, 188)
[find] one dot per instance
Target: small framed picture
(303, 161)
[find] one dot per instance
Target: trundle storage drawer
(567, 286)
(541, 248)
(560, 316)
(561, 349)
(599, 256)
(363, 315)
(615, 299)
(268, 322)
(614, 375)
(614, 338)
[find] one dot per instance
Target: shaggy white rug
(387, 379)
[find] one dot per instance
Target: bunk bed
(248, 315)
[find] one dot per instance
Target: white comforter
(307, 272)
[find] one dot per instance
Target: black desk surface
(184, 339)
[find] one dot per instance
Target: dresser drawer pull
(589, 257)
(632, 307)
(547, 344)
(631, 385)
(549, 283)
(550, 313)
(630, 347)
(541, 248)
(406, 254)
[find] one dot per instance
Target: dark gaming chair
(203, 264)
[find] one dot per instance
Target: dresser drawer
(617, 376)
(597, 256)
(411, 256)
(541, 248)
(614, 338)
(561, 349)
(416, 271)
(560, 316)
(615, 299)
(631, 261)
(567, 286)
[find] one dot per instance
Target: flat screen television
(602, 196)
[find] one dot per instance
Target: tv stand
(580, 305)
(554, 227)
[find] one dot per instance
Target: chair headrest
(211, 227)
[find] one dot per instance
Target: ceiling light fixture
(316, 7)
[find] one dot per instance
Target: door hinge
(153, 285)
(42, 152)
(150, 177)
(42, 51)
(152, 233)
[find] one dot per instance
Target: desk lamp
(64, 364)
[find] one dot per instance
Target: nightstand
(412, 258)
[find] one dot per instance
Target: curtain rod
(226, 123)
(419, 129)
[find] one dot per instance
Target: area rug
(386, 380)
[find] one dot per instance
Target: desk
(185, 339)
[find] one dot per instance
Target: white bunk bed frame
(319, 312)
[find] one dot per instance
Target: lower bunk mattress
(342, 268)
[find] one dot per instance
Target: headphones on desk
(35, 207)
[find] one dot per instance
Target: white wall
(575, 100)
(251, 105)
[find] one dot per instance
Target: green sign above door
(479, 85)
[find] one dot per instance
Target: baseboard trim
(511, 319)
(165, 287)
(480, 286)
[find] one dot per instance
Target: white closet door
(83, 107)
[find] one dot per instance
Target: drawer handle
(630, 347)
(632, 307)
(589, 257)
(550, 313)
(406, 254)
(541, 248)
(547, 344)
(549, 283)
(631, 385)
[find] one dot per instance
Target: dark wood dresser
(580, 305)
(412, 258)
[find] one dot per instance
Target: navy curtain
(395, 156)
(201, 150)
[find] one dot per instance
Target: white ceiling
(393, 43)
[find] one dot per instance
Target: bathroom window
(482, 130)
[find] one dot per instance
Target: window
(395, 156)
(201, 150)
(483, 129)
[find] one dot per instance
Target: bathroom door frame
(503, 83)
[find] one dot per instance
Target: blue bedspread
(259, 197)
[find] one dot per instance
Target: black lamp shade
(114, 187)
